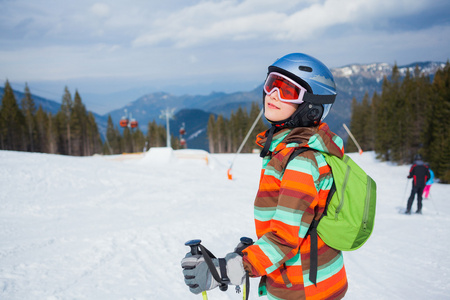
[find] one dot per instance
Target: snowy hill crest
(379, 70)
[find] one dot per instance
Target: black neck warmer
(306, 115)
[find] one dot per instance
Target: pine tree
(417, 93)
(410, 116)
(355, 127)
(211, 130)
(228, 136)
(380, 124)
(53, 134)
(385, 117)
(395, 104)
(259, 127)
(151, 134)
(221, 134)
(238, 125)
(439, 151)
(29, 110)
(361, 126)
(367, 129)
(77, 125)
(41, 131)
(128, 145)
(94, 141)
(59, 126)
(12, 122)
(112, 138)
(156, 135)
(372, 121)
(162, 136)
(66, 112)
(139, 140)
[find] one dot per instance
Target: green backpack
(349, 215)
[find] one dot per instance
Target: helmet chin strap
(269, 135)
(306, 115)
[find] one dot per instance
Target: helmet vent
(305, 68)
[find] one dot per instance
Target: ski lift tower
(167, 114)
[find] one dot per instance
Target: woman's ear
(315, 112)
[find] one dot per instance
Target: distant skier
(426, 190)
(420, 174)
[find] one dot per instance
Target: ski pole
(194, 251)
(246, 286)
(406, 188)
(353, 138)
(434, 205)
(230, 176)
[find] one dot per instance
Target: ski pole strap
(212, 268)
(223, 270)
(313, 253)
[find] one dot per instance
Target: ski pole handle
(195, 251)
(246, 240)
(194, 246)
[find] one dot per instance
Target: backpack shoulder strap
(333, 187)
(312, 231)
(297, 153)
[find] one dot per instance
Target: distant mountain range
(352, 81)
(47, 105)
(53, 107)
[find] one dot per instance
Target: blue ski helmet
(313, 75)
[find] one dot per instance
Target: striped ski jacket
(288, 199)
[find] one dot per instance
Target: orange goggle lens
(288, 90)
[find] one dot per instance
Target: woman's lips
(270, 105)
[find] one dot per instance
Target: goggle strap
(319, 99)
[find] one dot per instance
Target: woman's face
(276, 110)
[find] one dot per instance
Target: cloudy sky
(198, 46)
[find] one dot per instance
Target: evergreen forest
(71, 131)
(411, 116)
(226, 135)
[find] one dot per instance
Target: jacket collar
(320, 138)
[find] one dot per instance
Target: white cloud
(186, 25)
(183, 38)
(207, 22)
(100, 9)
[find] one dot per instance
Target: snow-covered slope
(114, 227)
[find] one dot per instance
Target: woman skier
(297, 96)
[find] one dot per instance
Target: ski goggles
(288, 89)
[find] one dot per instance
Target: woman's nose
(274, 95)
